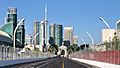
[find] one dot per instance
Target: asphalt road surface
(56, 62)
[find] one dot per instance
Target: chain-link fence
(8, 53)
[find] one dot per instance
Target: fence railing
(111, 56)
(8, 53)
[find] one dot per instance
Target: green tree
(73, 48)
(107, 45)
(115, 43)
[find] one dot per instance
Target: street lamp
(83, 41)
(16, 30)
(117, 23)
(117, 30)
(110, 36)
(34, 38)
(91, 38)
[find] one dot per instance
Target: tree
(73, 48)
(115, 43)
(82, 47)
(107, 45)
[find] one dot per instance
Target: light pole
(83, 41)
(116, 26)
(91, 39)
(117, 23)
(110, 36)
(16, 30)
(34, 38)
(117, 30)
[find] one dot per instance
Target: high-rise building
(21, 34)
(43, 28)
(44, 34)
(75, 39)
(52, 34)
(58, 35)
(12, 17)
(68, 34)
(10, 25)
(28, 39)
(11, 21)
(106, 34)
(36, 33)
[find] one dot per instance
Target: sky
(83, 15)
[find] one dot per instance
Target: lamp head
(101, 18)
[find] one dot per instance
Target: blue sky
(82, 14)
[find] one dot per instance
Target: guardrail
(8, 53)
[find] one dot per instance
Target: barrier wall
(112, 56)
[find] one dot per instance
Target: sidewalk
(96, 63)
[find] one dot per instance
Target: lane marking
(62, 63)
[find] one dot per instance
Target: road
(56, 62)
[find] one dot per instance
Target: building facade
(75, 39)
(106, 34)
(44, 37)
(10, 25)
(52, 34)
(11, 21)
(28, 39)
(21, 34)
(36, 33)
(68, 34)
(58, 35)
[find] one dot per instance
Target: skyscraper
(36, 31)
(12, 16)
(11, 21)
(58, 35)
(52, 34)
(10, 25)
(21, 34)
(43, 27)
(68, 34)
(44, 33)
